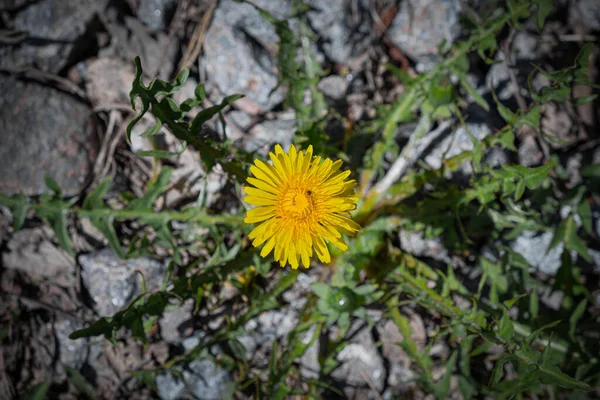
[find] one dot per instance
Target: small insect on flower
(302, 202)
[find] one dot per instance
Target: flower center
(300, 202)
(297, 204)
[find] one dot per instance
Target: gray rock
(112, 282)
(44, 132)
(154, 13)
(233, 65)
(157, 50)
(595, 255)
(525, 50)
(400, 375)
(358, 359)
(207, 381)
(344, 28)
(173, 319)
(529, 152)
(108, 80)
(585, 14)
(416, 244)
(54, 26)
(169, 387)
(533, 247)
(455, 143)
(271, 132)
(71, 353)
(422, 25)
(334, 86)
(309, 361)
(32, 252)
(266, 328)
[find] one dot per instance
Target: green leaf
(506, 328)
(80, 383)
(544, 8)
(591, 171)
(147, 377)
(38, 392)
(20, 210)
(504, 111)
(154, 189)
(442, 387)
(152, 131)
(585, 99)
(206, 114)
(534, 304)
(554, 375)
(575, 317)
(585, 213)
(52, 185)
(441, 91)
(573, 241)
(474, 94)
(199, 92)
(162, 153)
(320, 289)
(95, 201)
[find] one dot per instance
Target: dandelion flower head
(302, 201)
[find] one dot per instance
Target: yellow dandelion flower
(302, 203)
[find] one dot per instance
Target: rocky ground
(65, 72)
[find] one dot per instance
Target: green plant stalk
(183, 216)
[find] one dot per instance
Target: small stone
(456, 143)
(156, 13)
(172, 320)
(343, 28)
(169, 387)
(585, 14)
(235, 64)
(359, 359)
(266, 328)
(71, 353)
(32, 252)
(112, 282)
(108, 81)
(268, 133)
(529, 153)
(534, 248)
(55, 27)
(334, 86)
(44, 132)
(208, 381)
(415, 244)
(421, 26)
